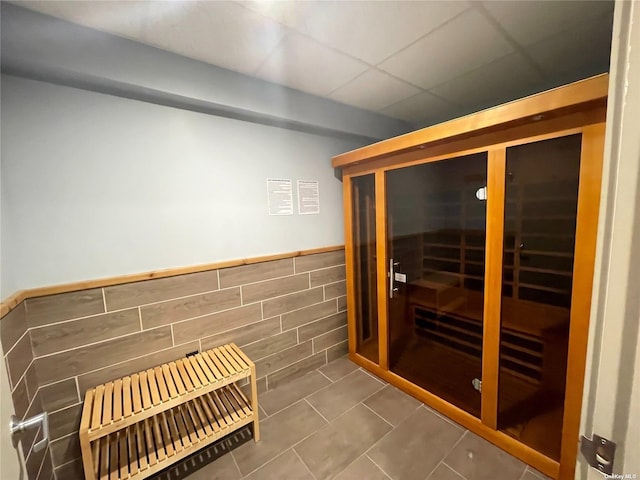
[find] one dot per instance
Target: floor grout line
(378, 415)
(316, 410)
(303, 463)
(332, 381)
(381, 469)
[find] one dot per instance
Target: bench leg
(254, 404)
(88, 461)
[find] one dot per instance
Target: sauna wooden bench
(136, 426)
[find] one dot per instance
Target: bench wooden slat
(126, 396)
(135, 391)
(123, 458)
(197, 423)
(184, 376)
(157, 435)
(144, 391)
(204, 421)
(113, 457)
(204, 379)
(175, 375)
(133, 453)
(211, 418)
(117, 399)
(205, 368)
(166, 434)
(239, 360)
(141, 447)
(235, 365)
(168, 379)
(212, 366)
(153, 387)
(97, 408)
(151, 451)
(193, 376)
(104, 458)
(221, 358)
(162, 384)
(218, 364)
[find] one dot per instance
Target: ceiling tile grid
(417, 60)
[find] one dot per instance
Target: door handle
(392, 277)
(17, 428)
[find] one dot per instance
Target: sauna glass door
(541, 202)
(364, 266)
(436, 230)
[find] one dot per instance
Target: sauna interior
(315, 240)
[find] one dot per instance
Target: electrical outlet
(191, 354)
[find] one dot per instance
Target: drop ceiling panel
(504, 79)
(302, 63)
(584, 48)
(419, 107)
(363, 29)
(374, 90)
(530, 22)
(220, 33)
(464, 44)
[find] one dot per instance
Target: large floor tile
(289, 393)
(533, 474)
(330, 450)
(338, 368)
(443, 472)
(287, 466)
(476, 459)
(278, 433)
(363, 468)
(414, 448)
(392, 404)
(347, 392)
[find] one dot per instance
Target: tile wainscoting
(288, 315)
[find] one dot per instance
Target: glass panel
(541, 201)
(437, 227)
(364, 248)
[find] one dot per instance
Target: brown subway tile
(63, 306)
(244, 335)
(274, 288)
(159, 289)
(20, 398)
(65, 449)
(234, 276)
(70, 471)
(59, 395)
(84, 359)
(46, 470)
(19, 358)
(189, 307)
(319, 327)
(216, 323)
(308, 314)
(271, 345)
(342, 304)
(31, 381)
(12, 327)
(337, 351)
(282, 359)
(293, 301)
(306, 263)
(327, 275)
(34, 460)
(296, 370)
(65, 421)
(334, 290)
(329, 339)
(72, 334)
(98, 377)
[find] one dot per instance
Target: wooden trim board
(577, 93)
(14, 300)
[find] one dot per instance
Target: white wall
(95, 186)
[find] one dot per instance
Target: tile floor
(340, 422)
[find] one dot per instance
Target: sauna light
(481, 193)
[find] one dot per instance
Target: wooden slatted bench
(135, 426)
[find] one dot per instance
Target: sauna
(470, 256)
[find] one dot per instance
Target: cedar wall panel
(289, 316)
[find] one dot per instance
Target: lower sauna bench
(138, 425)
